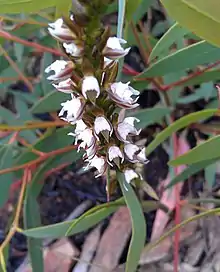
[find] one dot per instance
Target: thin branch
(38, 160)
(37, 46)
(15, 67)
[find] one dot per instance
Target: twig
(38, 160)
(15, 67)
(33, 125)
(15, 223)
(37, 46)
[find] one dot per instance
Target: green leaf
(4, 259)
(6, 161)
(186, 58)
(163, 45)
(201, 17)
(208, 150)
(9, 118)
(132, 6)
(93, 216)
(50, 102)
(189, 171)
(204, 92)
(150, 116)
(141, 10)
(45, 85)
(24, 6)
(138, 224)
(98, 211)
(179, 124)
(210, 175)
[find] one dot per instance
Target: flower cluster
(103, 132)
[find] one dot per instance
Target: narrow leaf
(179, 124)
(208, 150)
(138, 224)
(186, 58)
(163, 45)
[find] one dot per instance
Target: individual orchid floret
(62, 70)
(72, 49)
(113, 49)
(90, 85)
(99, 163)
(85, 135)
(65, 86)
(115, 154)
(72, 109)
(126, 128)
(134, 154)
(130, 175)
(124, 95)
(102, 125)
(60, 31)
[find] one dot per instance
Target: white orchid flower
(60, 31)
(126, 128)
(62, 70)
(113, 49)
(72, 49)
(124, 95)
(65, 86)
(99, 163)
(135, 154)
(72, 109)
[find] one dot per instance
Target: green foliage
(182, 67)
(200, 17)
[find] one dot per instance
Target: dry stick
(15, 67)
(38, 160)
(37, 46)
(15, 223)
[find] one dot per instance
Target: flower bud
(123, 95)
(126, 128)
(114, 154)
(102, 125)
(90, 84)
(60, 32)
(113, 49)
(62, 70)
(130, 174)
